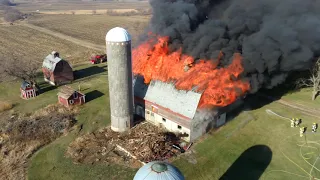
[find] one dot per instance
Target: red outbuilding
(67, 96)
(27, 90)
(57, 71)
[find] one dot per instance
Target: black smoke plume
(275, 37)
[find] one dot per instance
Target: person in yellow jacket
(297, 122)
(292, 122)
(302, 130)
(314, 127)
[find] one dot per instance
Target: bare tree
(94, 12)
(19, 68)
(73, 12)
(313, 81)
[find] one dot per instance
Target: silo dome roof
(118, 34)
(158, 170)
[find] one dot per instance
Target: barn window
(75, 95)
(71, 101)
(179, 127)
(154, 109)
(148, 112)
(152, 114)
(164, 119)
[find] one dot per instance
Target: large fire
(219, 86)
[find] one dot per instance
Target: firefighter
(297, 122)
(302, 131)
(292, 122)
(314, 127)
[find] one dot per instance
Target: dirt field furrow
(66, 37)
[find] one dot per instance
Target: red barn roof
(66, 92)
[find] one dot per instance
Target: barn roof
(24, 85)
(166, 95)
(66, 91)
(50, 62)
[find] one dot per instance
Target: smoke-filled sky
(275, 37)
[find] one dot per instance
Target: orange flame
(219, 86)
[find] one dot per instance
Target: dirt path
(66, 37)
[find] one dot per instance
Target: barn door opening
(140, 111)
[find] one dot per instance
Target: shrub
(4, 106)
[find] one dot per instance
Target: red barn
(27, 91)
(57, 71)
(67, 96)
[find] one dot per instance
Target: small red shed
(27, 90)
(67, 96)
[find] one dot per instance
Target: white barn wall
(205, 126)
(158, 121)
(194, 132)
(221, 120)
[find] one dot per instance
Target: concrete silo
(118, 42)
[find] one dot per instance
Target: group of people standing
(295, 122)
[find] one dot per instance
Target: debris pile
(149, 143)
(21, 136)
(95, 148)
(144, 142)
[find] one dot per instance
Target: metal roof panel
(166, 95)
(50, 62)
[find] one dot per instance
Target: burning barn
(206, 55)
(163, 105)
(160, 102)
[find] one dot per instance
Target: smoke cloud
(274, 37)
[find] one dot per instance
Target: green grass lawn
(220, 150)
(50, 163)
(278, 152)
(303, 97)
(11, 93)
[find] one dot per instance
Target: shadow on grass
(47, 88)
(93, 95)
(44, 87)
(87, 72)
(250, 165)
